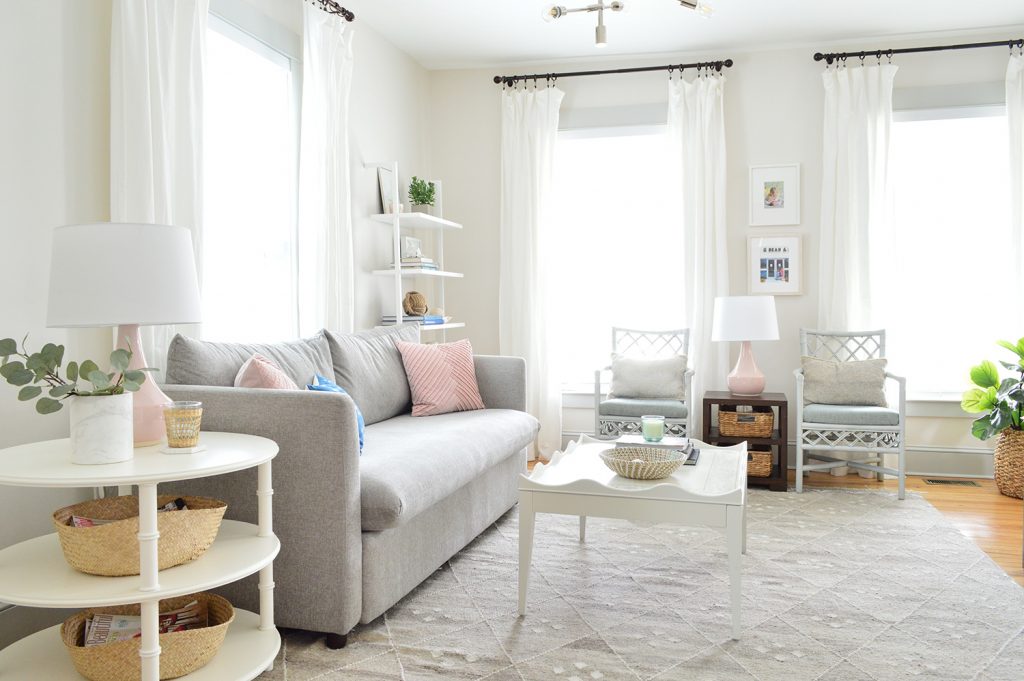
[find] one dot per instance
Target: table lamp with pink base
(126, 275)
(745, 319)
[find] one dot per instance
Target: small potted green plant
(1001, 405)
(100, 401)
(421, 195)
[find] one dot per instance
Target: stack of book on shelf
(418, 263)
(425, 320)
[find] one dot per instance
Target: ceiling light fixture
(553, 12)
(601, 32)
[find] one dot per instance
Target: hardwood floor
(994, 522)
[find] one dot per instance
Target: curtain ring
(889, 55)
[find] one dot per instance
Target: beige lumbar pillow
(657, 378)
(860, 383)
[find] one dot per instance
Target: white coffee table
(713, 493)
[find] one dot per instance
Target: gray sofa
(357, 532)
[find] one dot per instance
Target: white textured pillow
(653, 378)
(860, 383)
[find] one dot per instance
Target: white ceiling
(443, 34)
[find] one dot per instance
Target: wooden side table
(779, 441)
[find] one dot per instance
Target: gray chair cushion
(410, 463)
(621, 406)
(845, 415)
(368, 365)
(195, 362)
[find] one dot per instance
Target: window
(250, 144)
(946, 289)
(617, 247)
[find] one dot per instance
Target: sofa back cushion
(368, 365)
(195, 362)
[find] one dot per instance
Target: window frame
(935, 104)
(242, 23)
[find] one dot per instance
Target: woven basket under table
(757, 423)
(112, 550)
(759, 463)
(181, 652)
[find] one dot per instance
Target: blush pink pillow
(441, 377)
(260, 372)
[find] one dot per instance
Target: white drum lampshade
(745, 319)
(125, 275)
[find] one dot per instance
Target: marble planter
(101, 429)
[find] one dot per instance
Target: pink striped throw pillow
(441, 377)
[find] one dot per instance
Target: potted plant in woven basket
(101, 401)
(1001, 405)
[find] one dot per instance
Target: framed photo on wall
(774, 265)
(775, 195)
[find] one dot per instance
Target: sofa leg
(336, 641)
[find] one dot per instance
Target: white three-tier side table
(712, 493)
(34, 573)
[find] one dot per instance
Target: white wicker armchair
(621, 416)
(828, 427)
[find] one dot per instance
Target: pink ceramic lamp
(745, 319)
(126, 275)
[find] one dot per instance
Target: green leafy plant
(41, 371)
(421, 192)
(1000, 402)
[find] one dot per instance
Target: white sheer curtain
(854, 208)
(326, 277)
(529, 130)
(156, 113)
(1015, 117)
(697, 134)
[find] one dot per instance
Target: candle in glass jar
(652, 428)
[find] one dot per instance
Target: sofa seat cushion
(845, 415)
(411, 463)
(621, 406)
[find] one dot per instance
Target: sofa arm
(502, 381)
(318, 573)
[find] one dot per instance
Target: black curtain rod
(716, 65)
(331, 7)
(830, 57)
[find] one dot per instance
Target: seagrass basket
(181, 652)
(757, 423)
(759, 463)
(1009, 463)
(643, 463)
(112, 550)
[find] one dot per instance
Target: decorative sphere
(414, 303)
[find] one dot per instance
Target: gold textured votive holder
(183, 420)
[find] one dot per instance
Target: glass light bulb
(553, 12)
(704, 9)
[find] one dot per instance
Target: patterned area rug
(838, 585)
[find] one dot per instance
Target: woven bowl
(181, 652)
(112, 550)
(643, 463)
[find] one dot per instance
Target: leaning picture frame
(774, 265)
(389, 202)
(775, 195)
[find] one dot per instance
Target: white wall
(54, 170)
(773, 109)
